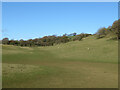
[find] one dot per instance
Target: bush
(112, 31)
(80, 36)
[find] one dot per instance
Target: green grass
(69, 65)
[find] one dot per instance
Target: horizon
(30, 20)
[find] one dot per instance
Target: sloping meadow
(90, 63)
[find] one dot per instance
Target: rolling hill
(90, 63)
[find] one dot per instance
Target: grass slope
(90, 63)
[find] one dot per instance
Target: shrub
(80, 36)
(112, 31)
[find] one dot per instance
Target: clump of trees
(80, 36)
(46, 40)
(113, 32)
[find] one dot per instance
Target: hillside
(89, 49)
(71, 64)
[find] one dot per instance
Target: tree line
(113, 32)
(46, 40)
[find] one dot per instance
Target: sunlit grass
(80, 64)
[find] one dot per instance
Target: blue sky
(25, 20)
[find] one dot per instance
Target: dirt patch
(17, 68)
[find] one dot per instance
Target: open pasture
(90, 63)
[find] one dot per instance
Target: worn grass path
(70, 65)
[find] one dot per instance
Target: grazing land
(90, 63)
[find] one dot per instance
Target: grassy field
(90, 63)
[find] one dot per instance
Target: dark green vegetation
(90, 63)
(46, 41)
